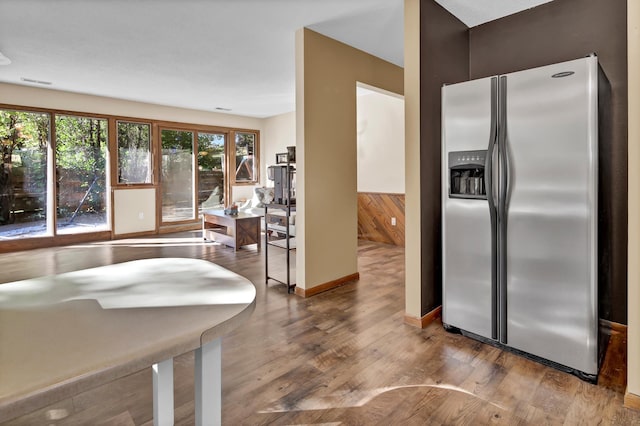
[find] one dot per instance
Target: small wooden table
(68, 333)
(234, 231)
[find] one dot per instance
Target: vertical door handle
(502, 208)
(489, 188)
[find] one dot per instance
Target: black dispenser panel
(466, 174)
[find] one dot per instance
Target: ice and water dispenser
(466, 174)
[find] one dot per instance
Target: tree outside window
(24, 140)
(245, 154)
(134, 153)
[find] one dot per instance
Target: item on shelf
(281, 158)
(283, 176)
(291, 154)
(232, 210)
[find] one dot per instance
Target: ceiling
(201, 54)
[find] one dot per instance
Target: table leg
(208, 383)
(163, 393)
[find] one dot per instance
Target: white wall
(280, 131)
(134, 210)
(633, 283)
(380, 142)
(380, 130)
(54, 99)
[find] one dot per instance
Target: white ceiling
(201, 54)
(476, 12)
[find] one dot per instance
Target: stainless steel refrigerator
(520, 211)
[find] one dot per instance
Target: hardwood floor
(343, 357)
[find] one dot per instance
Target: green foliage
(177, 151)
(134, 152)
(81, 152)
(245, 143)
(81, 144)
(177, 140)
(24, 138)
(210, 151)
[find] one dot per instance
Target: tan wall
(413, 246)
(326, 73)
(633, 283)
(45, 98)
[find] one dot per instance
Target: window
(211, 170)
(246, 161)
(55, 169)
(177, 175)
(24, 142)
(81, 155)
(134, 153)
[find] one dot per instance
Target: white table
(65, 334)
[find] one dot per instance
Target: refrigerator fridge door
(551, 276)
(467, 125)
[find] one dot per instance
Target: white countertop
(67, 333)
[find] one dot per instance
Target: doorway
(380, 162)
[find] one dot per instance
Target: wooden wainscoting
(375, 211)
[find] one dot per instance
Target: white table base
(208, 387)
(163, 393)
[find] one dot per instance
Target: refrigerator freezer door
(551, 213)
(466, 224)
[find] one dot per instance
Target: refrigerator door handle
(503, 177)
(489, 187)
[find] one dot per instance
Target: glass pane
(81, 153)
(134, 152)
(177, 175)
(24, 138)
(211, 161)
(245, 164)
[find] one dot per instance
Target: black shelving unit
(285, 242)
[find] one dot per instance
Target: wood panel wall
(375, 211)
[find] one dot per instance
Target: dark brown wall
(444, 58)
(559, 31)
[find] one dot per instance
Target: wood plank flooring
(343, 357)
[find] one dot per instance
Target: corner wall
(412, 242)
(443, 57)
(633, 343)
(326, 221)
